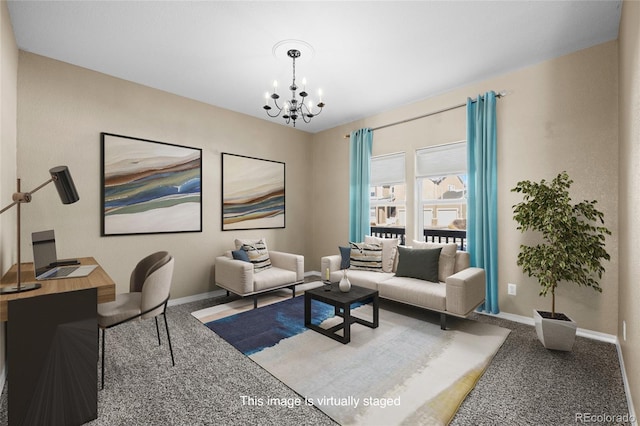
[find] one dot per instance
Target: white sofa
(457, 294)
(240, 277)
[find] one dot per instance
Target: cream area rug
(406, 371)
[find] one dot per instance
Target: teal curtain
(482, 217)
(360, 146)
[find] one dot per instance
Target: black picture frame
(149, 187)
(253, 193)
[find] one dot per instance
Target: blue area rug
(406, 371)
(261, 328)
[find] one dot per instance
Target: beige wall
(629, 300)
(559, 115)
(61, 111)
(8, 100)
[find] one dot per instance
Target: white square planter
(555, 334)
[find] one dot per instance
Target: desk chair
(148, 295)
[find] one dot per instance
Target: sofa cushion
(418, 263)
(447, 261)
(362, 278)
(272, 278)
(366, 257)
(389, 249)
(414, 292)
(258, 255)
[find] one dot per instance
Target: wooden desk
(52, 347)
(97, 279)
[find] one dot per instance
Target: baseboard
(627, 389)
(582, 332)
(312, 273)
(196, 297)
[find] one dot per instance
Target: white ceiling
(366, 56)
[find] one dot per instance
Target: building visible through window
(441, 186)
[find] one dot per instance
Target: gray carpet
(524, 385)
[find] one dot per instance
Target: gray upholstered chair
(244, 278)
(148, 295)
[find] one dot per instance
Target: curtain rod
(498, 96)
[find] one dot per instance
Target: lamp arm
(41, 186)
(4, 209)
(24, 197)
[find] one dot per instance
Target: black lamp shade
(64, 184)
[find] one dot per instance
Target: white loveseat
(245, 278)
(460, 290)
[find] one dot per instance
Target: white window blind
(442, 160)
(387, 169)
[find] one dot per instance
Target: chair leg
(293, 291)
(166, 324)
(102, 358)
(157, 330)
(255, 301)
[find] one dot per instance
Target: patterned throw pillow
(258, 255)
(389, 250)
(366, 257)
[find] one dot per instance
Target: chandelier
(293, 108)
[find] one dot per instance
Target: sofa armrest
(234, 275)
(332, 262)
(288, 261)
(465, 290)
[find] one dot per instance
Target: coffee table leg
(307, 309)
(346, 329)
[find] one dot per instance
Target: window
(441, 185)
(388, 191)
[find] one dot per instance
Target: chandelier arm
(308, 116)
(275, 102)
(273, 116)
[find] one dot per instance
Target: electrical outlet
(511, 289)
(624, 331)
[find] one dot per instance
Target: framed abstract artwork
(253, 195)
(149, 187)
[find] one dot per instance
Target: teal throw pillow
(240, 255)
(345, 257)
(418, 263)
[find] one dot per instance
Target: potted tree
(571, 250)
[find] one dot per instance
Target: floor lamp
(61, 178)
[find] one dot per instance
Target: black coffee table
(342, 305)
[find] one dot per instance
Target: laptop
(46, 263)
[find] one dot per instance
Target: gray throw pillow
(418, 263)
(345, 257)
